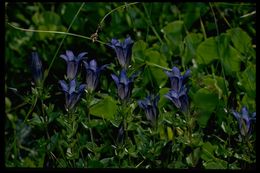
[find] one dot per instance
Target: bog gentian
(244, 120)
(92, 74)
(36, 66)
(149, 104)
(123, 50)
(178, 92)
(179, 99)
(72, 95)
(72, 63)
(177, 80)
(124, 84)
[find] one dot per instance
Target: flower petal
(81, 55)
(115, 78)
(63, 85)
(72, 87)
(70, 55)
(123, 77)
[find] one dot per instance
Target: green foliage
(216, 41)
(105, 108)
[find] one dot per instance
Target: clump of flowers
(178, 92)
(71, 90)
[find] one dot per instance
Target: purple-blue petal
(72, 86)
(63, 85)
(123, 77)
(81, 55)
(70, 55)
(115, 78)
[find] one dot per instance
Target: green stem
(89, 98)
(55, 32)
(45, 116)
(125, 115)
(61, 43)
(31, 108)
(189, 125)
(218, 50)
(149, 22)
(152, 64)
(103, 19)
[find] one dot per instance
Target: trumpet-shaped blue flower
(72, 95)
(244, 120)
(92, 74)
(124, 84)
(72, 63)
(177, 80)
(179, 98)
(123, 50)
(178, 93)
(149, 104)
(36, 66)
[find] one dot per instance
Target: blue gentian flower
(150, 107)
(179, 99)
(72, 95)
(244, 120)
(123, 50)
(178, 92)
(72, 63)
(36, 66)
(92, 74)
(177, 80)
(124, 84)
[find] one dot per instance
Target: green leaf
(170, 133)
(27, 162)
(207, 51)
(95, 164)
(247, 80)
(249, 102)
(193, 157)
(203, 118)
(91, 146)
(51, 18)
(156, 58)
(215, 165)
(132, 126)
(105, 108)
(193, 12)
(173, 36)
(240, 40)
(212, 162)
(219, 48)
(231, 57)
(8, 104)
(216, 84)
(138, 51)
(206, 100)
(37, 120)
(163, 100)
(191, 41)
(208, 151)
